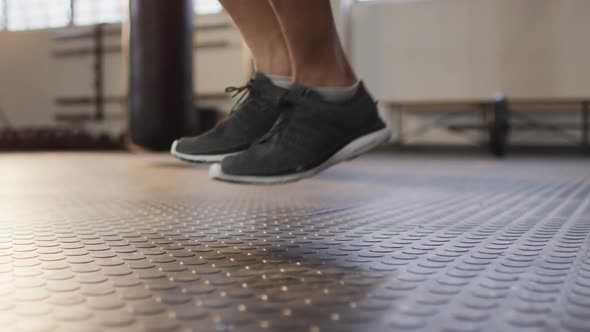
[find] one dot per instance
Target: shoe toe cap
(252, 163)
(232, 164)
(191, 145)
(240, 164)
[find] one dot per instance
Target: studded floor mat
(120, 242)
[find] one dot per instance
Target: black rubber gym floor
(121, 242)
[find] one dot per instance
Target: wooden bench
(496, 115)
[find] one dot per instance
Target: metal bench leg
(585, 125)
(400, 127)
(499, 126)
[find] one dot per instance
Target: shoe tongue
(301, 91)
(261, 79)
(267, 90)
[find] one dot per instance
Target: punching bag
(161, 97)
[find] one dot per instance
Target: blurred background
(491, 74)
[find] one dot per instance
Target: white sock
(284, 82)
(336, 94)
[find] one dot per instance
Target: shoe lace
(290, 102)
(240, 90)
(278, 127)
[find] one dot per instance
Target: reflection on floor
(121, 242)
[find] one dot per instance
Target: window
(111, 11)
(36, 14)
(204, 7)
(88, 12)
(43, 14)
(2, 15)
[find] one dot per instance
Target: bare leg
(262, 32)
(317, 57)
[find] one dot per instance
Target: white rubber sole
(350, 151)
(210, 158)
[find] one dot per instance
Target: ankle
(275, 70)
(323, 78)
(278, 64)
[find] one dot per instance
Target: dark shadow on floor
(179, 164)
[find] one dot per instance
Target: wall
(471, 49)
(27, 74)
(425, 49)
(31, 77)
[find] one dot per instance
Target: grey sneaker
(252, 117)
(310, 135)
